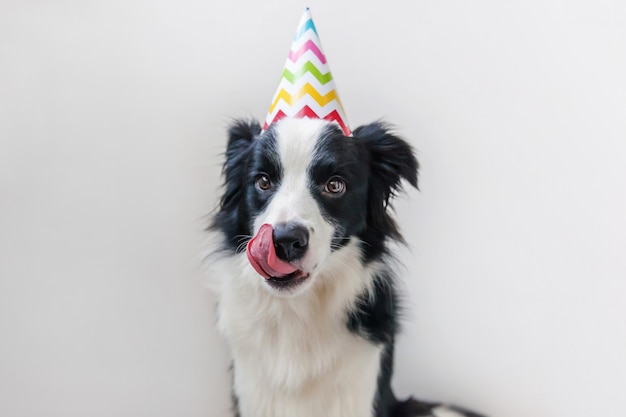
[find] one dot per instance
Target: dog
(301, 265)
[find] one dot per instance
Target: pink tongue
(262, 255)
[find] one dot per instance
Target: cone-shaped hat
(306, 88)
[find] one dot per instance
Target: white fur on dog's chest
(332, 380)
(295, 356)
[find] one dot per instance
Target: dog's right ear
(241, 134)
(391, 160)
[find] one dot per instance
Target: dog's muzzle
(274, 252)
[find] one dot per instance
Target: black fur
(376, 314)
(230, 219)
(390, 160)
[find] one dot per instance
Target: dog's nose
(291, 241)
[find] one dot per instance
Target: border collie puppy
(301, 267)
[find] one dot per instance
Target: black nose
(291, 241)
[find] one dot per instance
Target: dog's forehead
(296, 140)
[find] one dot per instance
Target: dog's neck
(286, 350)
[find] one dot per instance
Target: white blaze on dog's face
(292, 205)
(302, 191)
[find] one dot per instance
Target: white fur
(293, 356)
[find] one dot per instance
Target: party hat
(306, 88)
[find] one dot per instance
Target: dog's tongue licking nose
(262, 255)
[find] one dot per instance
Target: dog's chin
(290, 285)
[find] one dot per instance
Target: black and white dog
(301, 267)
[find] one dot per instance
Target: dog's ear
(391, 160)
(241, 135)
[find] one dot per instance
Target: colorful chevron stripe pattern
(306, 88)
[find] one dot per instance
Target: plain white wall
(112, 118)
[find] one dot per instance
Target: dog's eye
(335, 186)
(263, 182)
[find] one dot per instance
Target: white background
(112, 119)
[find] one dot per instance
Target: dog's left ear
(241, 135)
(391, 160)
